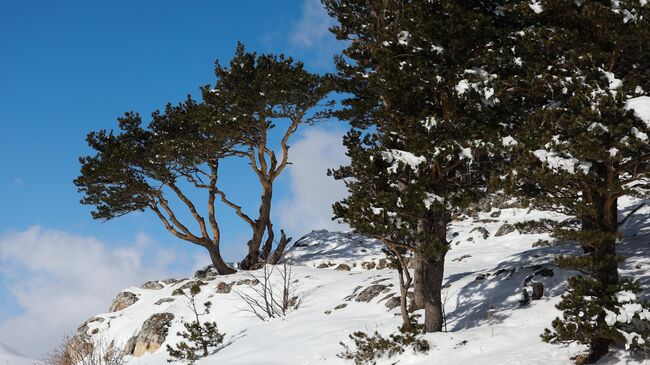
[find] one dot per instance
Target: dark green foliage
(200, 337)
(585, 309)
(420, 145)
(579, 148)
(260, 97)
(368, 349)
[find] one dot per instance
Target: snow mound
(325, 247)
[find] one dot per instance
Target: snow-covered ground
(486, 324)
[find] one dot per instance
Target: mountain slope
(485, 276)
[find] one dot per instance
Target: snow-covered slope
(9, 356)
(485, 276)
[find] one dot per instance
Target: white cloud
(312, 191)
(313, 26)
(60, 279)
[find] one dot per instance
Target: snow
(403, 37)
(641, 107)
(508, 141)
(536, 6)
(484, 278)
(557, 162)
(397, 157)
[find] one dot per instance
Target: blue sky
(70, 67)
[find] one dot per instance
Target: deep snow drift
(484, 279)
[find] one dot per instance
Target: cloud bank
(60, 279)
(312, 191)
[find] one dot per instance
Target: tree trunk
(254, 258)
(217, 261)
(279, 251)
(431, 275)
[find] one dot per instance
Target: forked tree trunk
(255, 257)
(217, 261)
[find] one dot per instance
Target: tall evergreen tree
(420, 107)
(258, 95)
(583, 68)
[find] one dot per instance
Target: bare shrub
(79, 351)
(276, 294)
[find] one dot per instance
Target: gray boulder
(151, 336)
(123, 300)
(505, 229)
(369, 293)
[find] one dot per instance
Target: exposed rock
(505, 229)
(368, 265)
(224, 288)
(328, 312)
(123, 300)
(343, 267)
(164, 300)
(369, 293)
(250, 282)
(495, 214)
(188, 285)
(461, 258)
(151, 336)
(480, 277)
(323, 265)
(172, 281)
(382, 264)
(341, 306)
(484, 232)
(393, 303)
(153, 285)
(208, 272)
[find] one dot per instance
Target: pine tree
(583, 67)
(142, 168)
(420, 108)
(201, 337)
(257, 95)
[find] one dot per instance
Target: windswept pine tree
(582, 143)
(179, 152)
(263, 97)
(142, 168)
(420, 99)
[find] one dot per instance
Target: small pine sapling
(201, 337)
(370, 348)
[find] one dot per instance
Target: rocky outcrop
(505, 229)
(343, 267)
(152, 285)
(208, 273)
(482, 231)
(224, 288)
(123, 300)
(369, 293)
(151, 336)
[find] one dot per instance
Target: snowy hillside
(344, 286)
(9, 356)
